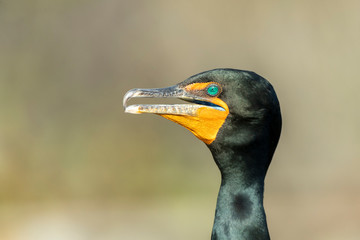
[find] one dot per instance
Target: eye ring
(213, 90)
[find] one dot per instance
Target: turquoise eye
(213, 90)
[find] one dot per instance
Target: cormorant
(237, 115)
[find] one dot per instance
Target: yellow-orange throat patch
(207, 121)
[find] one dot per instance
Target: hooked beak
(169, 92)
(203, 116)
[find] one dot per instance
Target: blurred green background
(74, 166)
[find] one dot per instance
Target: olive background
(73, 165)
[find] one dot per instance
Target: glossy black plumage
(242, 149)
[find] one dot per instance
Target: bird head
(226, 109)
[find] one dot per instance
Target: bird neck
(239, 211)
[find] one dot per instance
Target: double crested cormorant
(237, 115)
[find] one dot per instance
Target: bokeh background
(74, 166)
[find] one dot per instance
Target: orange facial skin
(207, 121)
